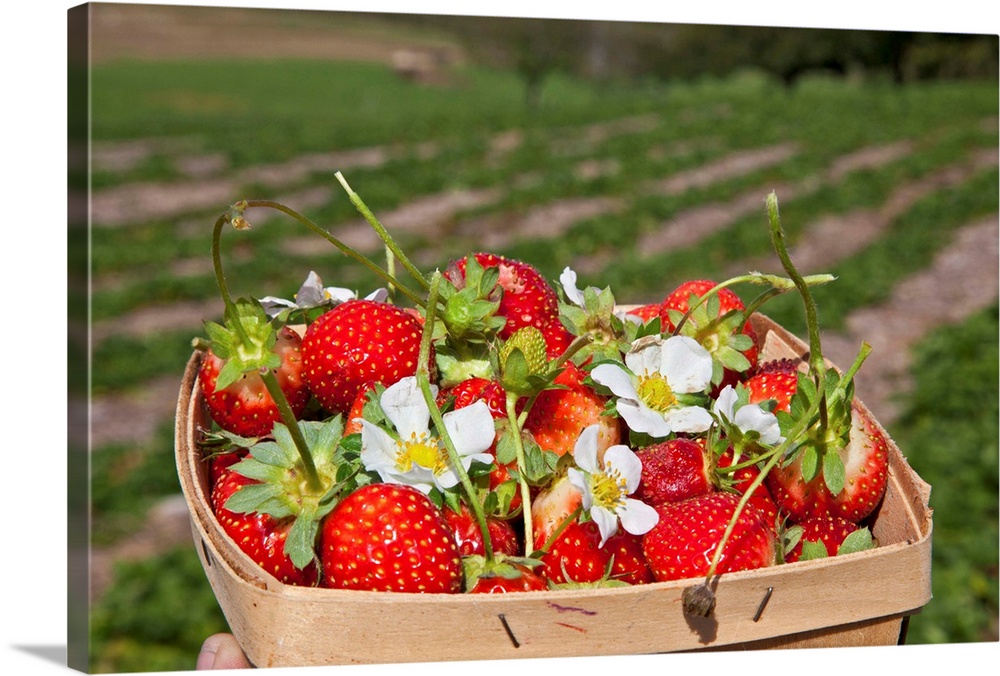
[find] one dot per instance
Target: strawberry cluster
(494, 431)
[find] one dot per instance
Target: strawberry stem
(812, 324)
(817, 364)
(383, 234)
(288, 417)
(779, 285)
(522, 480)
(423, 380)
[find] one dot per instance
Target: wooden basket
(861, 599)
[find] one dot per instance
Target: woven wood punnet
(854, 600)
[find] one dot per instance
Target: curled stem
(346, 250)
(267, 375)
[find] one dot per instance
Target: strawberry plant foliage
(549, 436)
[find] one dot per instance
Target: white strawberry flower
(417, 457)
(568, 282)
(312, 294)
(606, 485)
(747, 417)
(654, 385)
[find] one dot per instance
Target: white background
(33, 163)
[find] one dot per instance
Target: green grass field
(268, 113)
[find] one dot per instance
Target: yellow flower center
(607, 488)
(423, 451)
(655, 392)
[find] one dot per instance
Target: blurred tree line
(536, 48)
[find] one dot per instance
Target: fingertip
(221, 651)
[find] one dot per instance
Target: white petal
(616, 379)
(405, 407)
(637, 517)
(753, 417)
(607, 522)
(725, 403)
(471, 428)
(378, 449)
(646, 356)
(338, 294)
(693, 419)
(686, 365)
(641, 418)
(446, 479)
(273, 300)
(380, 295)
(568, 281)
(627, 463)
(311, 291)
(579, 481)
(629, 317)
(585, 450)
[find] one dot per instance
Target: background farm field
(637, 183)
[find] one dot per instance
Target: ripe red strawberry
(260, 536)
(358, 342)
(830, 531)
(384, 537)
(559, 415)
(647, 312)
(528, 299)
(575, 555)
(678, 300)
(471, 390)
(673, 470)
(628, 559)
(517, 577)
(245, 407)
(469, 536)
(777, 380)
(683, 542)
(557, 338)
(351, 422)
(866, 465)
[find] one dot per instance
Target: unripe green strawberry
(524, 361)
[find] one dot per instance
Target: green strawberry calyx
(282, 489)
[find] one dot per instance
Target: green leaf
(300, 545)
(253, 498)
(732, 359)
(275, 453)
(810, 462)
(515, 372)
(231, 371)
(833, 472)
(741, 342)
(813, 550)
(252, 468)
(506, 446)
(858, 541)
(790, 537)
